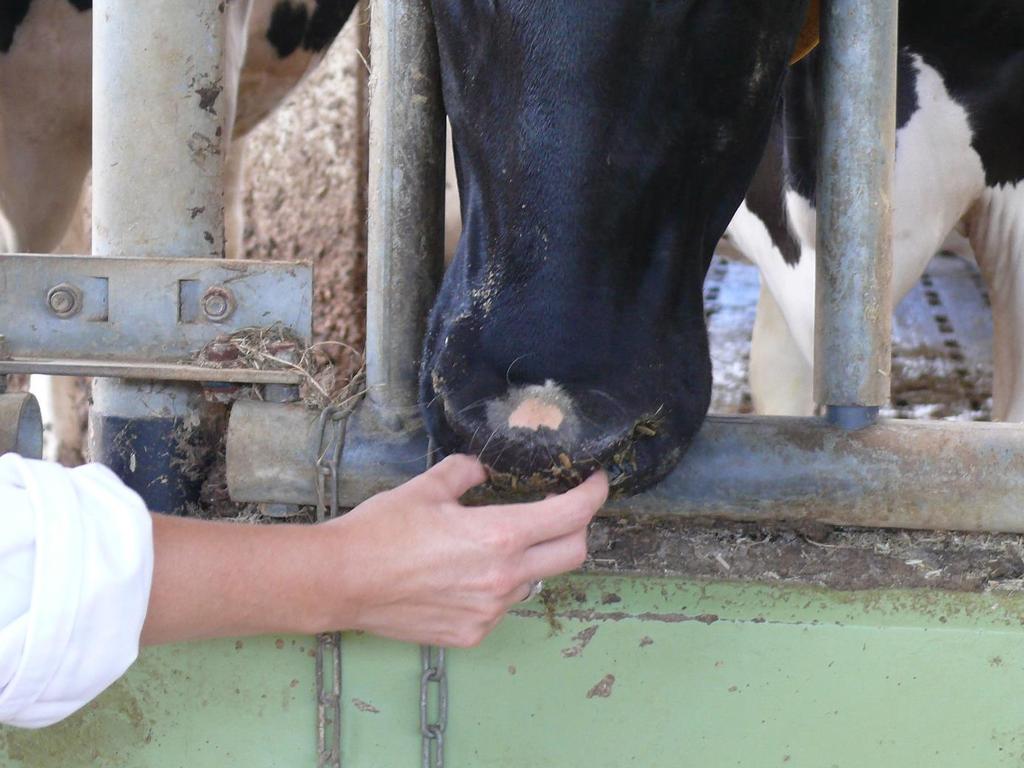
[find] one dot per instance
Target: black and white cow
(959, 165)
(602, 148)
(46, 126)
(46, 106)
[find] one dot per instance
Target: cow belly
(938, 176)
(46, 110)
(45, 124)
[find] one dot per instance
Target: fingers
(560, 515)
(550, 558)
(450, 478)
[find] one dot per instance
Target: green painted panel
(651, 673)
(226, 703)
(613, 671)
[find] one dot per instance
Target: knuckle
(471, 636)
(498, 582)
(584, 508)
(431, 485)
(501, 538)
(579, 552)
(495, 612)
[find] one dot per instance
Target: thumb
(450, 478)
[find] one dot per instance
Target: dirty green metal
(614, 671)
(226, 703)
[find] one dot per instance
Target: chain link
(328, 700)
(333, 421)
(434, 672)
(328, 646)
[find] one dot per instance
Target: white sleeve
(76, 564)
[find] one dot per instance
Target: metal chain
(328, 460)
(328, 700)
(333, 421)
(433, 670)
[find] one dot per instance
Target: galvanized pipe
(158, 128)
(853, 309)
(21, 425)
(159, 105)
(272, 450)
(905, 474)
(405, 239)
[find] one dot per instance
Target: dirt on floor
(839, 558)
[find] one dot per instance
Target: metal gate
(158, 236)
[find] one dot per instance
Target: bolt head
(64, 300)
(218, 303)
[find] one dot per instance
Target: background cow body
(959, 164)
(569, 330)
(46, 104)
(45, 134)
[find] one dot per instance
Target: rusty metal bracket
(79, 315)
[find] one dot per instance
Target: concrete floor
(942, 341)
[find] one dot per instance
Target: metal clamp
(434, 672)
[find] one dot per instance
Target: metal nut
(64, 300)
(218, 303)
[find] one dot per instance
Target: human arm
(411, 564)
(78, 581)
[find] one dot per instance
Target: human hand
(413, 564)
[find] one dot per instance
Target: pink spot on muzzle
(534, 413)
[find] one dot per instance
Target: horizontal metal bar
(92, 308)
(149, 371)
(21, 425)
(903, 474)
(272, 447)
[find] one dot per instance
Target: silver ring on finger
(535, 589)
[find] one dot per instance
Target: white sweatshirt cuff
(88, 583)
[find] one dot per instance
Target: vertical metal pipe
(853, 316)
(21, 425)
(405, 247)
(158, 137)
(158, 127)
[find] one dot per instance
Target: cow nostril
(534, 413)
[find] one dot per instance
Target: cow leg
(781, 377)
(64, 410)
(234, 197)
(40, 186)
(996, 232)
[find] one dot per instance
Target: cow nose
(534, 411)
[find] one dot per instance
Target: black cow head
(602, 148)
